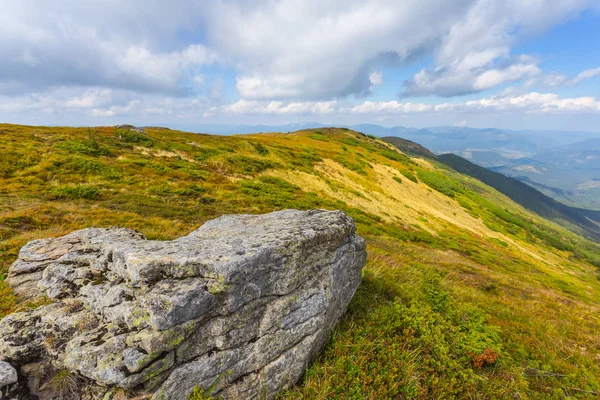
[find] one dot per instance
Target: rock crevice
(241, 305)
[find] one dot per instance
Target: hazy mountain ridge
(569, 173)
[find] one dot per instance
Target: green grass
(468, 297)
(409, 175)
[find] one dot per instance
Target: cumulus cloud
(111, 58)
(114, 44)
(282, 56)
(312, 49)
(470, 76)
(475, 54)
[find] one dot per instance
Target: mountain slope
(409, 147)
(464, 292)
(585, 221)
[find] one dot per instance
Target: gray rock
(8, 375)
(132, 128)
(242, 305)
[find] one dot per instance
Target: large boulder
(238, 307)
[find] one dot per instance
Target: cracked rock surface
(241, 306)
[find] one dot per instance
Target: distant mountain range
(569, 173)
(564, 165)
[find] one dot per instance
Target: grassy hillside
(584, 221)
(409, 147)
(465, 295)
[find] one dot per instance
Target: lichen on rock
(240, 306)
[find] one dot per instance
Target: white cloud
(276, 108)
(116, 110)
(94, 97)
(587, 74)
(527, 103)
(555, 79)
(113, 58)
(310, 49)
(469, 76)
(391, 107)
(475, 54)
(113, 44)
(537, 103)
(376, 78)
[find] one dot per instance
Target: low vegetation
(465, 293)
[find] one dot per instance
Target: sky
(514, 64)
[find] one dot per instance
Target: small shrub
(136, 138)
(397, 179)
(89, 147)
(350, 141)
(205, 153)
(86, 166)
(65, 385)
(409, 175)
(394, 155)
(499, 242)
(356, 167)
(187, 191)
(306, 157)
(487, 357)
(260, 149)
(319, 136)
(249, 165)
(441, 183)
(74, 192)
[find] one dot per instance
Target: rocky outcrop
(131, 128)
(238, 307)
(8, 378)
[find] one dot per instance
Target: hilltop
(465, 291)
(561, 164)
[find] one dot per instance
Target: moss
(217, 286)
(140, 318)
(199, 394)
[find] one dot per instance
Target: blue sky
(519, 64)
